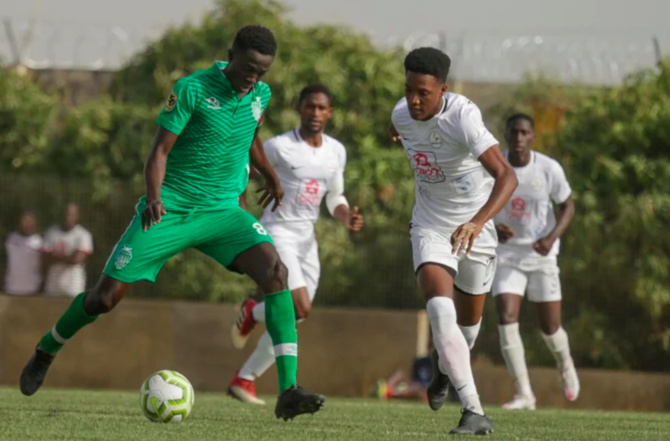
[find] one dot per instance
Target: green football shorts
(222, 235)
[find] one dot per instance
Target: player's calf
(84, 310)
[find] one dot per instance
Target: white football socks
(471, 332)
(559, 346)
(453, 351)
(513, 352)
(260, 360)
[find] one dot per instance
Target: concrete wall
(342, 353)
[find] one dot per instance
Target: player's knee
(277, 278)
(103, 298)
(507, 316)
(549, 327)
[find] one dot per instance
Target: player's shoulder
(400, 113)
(336, 147)
(263, 89)
(547, 162)
(457, 107)
(281, 142)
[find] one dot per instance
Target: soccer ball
(167, 397)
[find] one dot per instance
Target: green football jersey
(207, 166)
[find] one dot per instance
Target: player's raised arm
(272, 189)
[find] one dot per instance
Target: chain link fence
(583, 57)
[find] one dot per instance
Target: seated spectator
(67, 247)
(24, 255)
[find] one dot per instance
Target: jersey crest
(257, 109)
(123, 257)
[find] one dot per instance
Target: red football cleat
(244, 324)
(244, 390)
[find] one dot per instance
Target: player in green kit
(194, 175)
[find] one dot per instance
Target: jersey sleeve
(560, 187)
(271, 147)
(178, 108)
(335, 185)
(266, 94)
(85, 242)
(473, 133)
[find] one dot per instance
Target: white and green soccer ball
(167, 397)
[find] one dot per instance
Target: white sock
(514, 354)
(559, 345)
(471, 332)
(258, 312)
(453, 350)
(260, 360)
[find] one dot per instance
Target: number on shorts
(259, 229)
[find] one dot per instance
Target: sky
(617, 23)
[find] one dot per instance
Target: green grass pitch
(101, 415)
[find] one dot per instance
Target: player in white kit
(529, 236)
(452, 232)
(310, 166)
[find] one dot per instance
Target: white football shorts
(298, 249)
(474, 271)
(537, 277)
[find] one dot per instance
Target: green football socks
(280, 323)
(67, 326)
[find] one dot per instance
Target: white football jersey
(530, 210)
(306, 173)
(451, 184)
(62, 277)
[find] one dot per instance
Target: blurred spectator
(24, 256)
(67, 247)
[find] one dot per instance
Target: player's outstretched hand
(505, 233)
(464, 237)
(152, 214)
(271, 191)
(543, 246)
(355, 221)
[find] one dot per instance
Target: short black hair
(312, 89)
(257, 38)
(429, 61)
(523, 116)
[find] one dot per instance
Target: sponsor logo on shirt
(213, 103)
(425, 167)
(309, 194)
(518, 211)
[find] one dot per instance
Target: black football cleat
(296, 401)
(438, 389)
(36, 369)
(472, 424)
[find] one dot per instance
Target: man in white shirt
(67, 248)
(310, 166)
(529, 236)
(462, 181)
(24, 256)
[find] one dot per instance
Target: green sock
(72, 321)
(280, 323)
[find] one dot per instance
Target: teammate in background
(195, 172)
(527, 259)
(310, 165)
(452, 232)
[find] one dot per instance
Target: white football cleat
(570, 382)
(520, 402)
